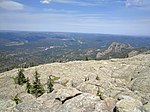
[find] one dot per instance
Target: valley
(33, 48)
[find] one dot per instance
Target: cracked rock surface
(116, 85)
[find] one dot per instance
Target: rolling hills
(22, 48)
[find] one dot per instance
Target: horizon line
(42, 31)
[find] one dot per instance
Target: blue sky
(127, 17)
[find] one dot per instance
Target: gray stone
(130, 105)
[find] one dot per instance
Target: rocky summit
(113, 49)
(115, 85)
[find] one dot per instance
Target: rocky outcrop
(87, 103)
(130, 104)
(115, 85)
(133, 53)
(114, 48)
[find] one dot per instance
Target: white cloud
(75, 2)
(73, 23)
(134, 3)
(128, 3)
(10, 5)
(45, 1)
(59, 10)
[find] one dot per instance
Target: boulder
(129, 104)
(7, 106)
(141, 84)
(147, 107)
(88, 103)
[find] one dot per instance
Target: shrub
(54, 78)
(97, 77)
(99, 94)
(65, 83)
(16, 99)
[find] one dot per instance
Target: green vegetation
(99, 94)
(50, 84)
(20, 79)
(37, 88)
(65, 83)
(28, 49)
(54, 78)
(86, 58)
(28, 86)
(97, 77)
(16, 99)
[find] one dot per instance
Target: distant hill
(119, 50)
(22, 48)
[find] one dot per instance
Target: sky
(126, 17)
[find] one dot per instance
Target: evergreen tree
(97, 77)
(86, 58)
(50, 85)
(37, 88)
(31, 64)
(21, 77)
(28, 86)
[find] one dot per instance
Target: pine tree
(86, 58)
(21, 77)
(37, 88)
(50, 85)
(28, 86)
